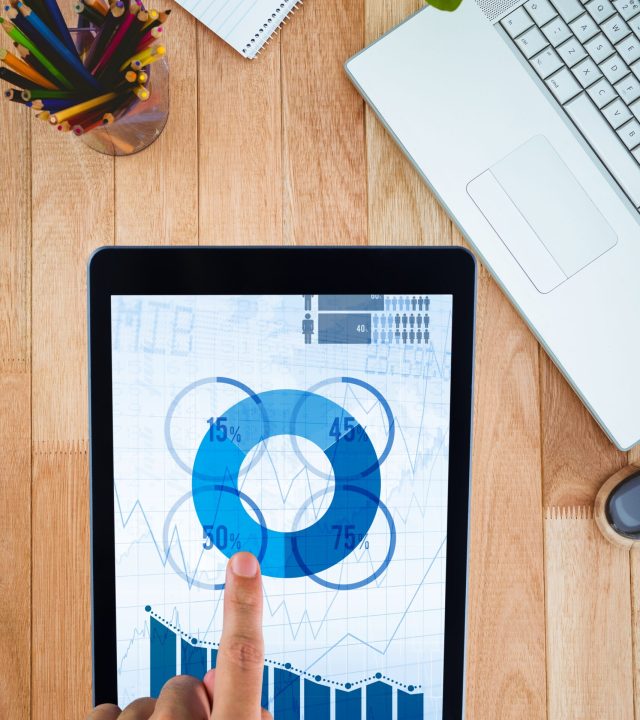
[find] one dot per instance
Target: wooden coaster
(600, 504)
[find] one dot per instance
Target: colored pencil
(15, 34)
(39, 94)
(22, 68)
(86, 11)
(59, 26)
(50, 38)
(106, 33)
(16, 96)
(116, 39)
(82, 107)
(15, 79)
(33, 62)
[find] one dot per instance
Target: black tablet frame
(277, 271)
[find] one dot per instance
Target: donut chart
(356, 498)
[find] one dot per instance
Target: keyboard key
(614, 68)
(571, 52)
(630, 134)
(617, 113)
(629, 89)
(557, 31)
(563, 85)
(587, 72)
(568, 9)
(627, 8)
(585, 28)
(599, 48)
(600, 10)
(517, 22)
(634, 24)
(546, 63)
(635, 109)
(531, 42)
(607, 145)
(602, 93)
(629, 49)
(615, 28)
(541, 11)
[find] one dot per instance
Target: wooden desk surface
(282, 151)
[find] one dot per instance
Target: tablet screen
(313, 431)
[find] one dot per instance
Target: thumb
(238, 682)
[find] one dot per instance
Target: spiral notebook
(247, 25)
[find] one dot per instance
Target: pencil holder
(141, 123)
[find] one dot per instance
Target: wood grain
(506, 646)
(15, 559)
(15, 239)
(590, 671)
(577, 455)
(66, 227)
(239, 144)
(156, 191)
(324, 157)
(61, 608)
(402, 210)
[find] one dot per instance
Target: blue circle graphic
(356, 470)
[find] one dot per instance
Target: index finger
(238, 683)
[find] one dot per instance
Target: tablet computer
(312, 406)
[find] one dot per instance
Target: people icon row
(419, 303)
(412, 321)
(390, 336)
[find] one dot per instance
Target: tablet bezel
(278, 271)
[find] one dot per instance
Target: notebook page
(245, 24)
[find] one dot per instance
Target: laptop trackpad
(542, 213)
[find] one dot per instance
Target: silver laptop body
(524, 119)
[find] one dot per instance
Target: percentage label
(348, 430)
(219, 430)
(220, 537)
(345, 534)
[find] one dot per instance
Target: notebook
(247, 25)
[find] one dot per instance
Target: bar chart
(288, 692)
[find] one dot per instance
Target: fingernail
(244, 564)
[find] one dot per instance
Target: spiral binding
(257, 42)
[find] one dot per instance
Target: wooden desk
(283, 151)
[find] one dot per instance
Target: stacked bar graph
(289, 693)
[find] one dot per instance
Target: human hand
(230, 692)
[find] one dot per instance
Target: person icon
(404, 336)
(387, 303)
(383, 321)
(394, 303)
(397, 336)
(427, 302)
(426, 337)
(375, 336)
(307, 329)
(376, 320)
(419, 336)
(404, 320)
(414, 302)
(412, 336)
(307, 302)
(426, 321)
(412, 321)
(397, 320)
(420, 303)
(419, 321)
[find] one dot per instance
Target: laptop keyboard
(588, 56)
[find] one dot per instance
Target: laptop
(524, 119)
